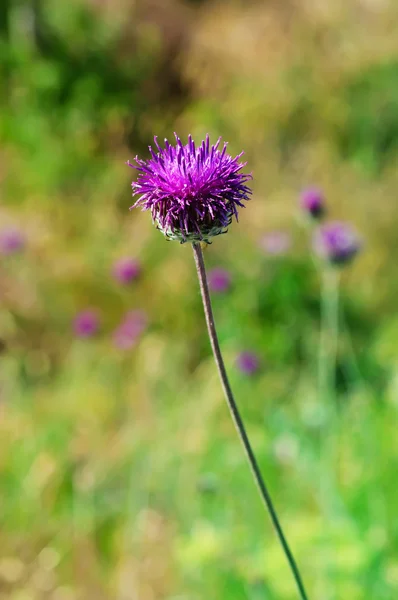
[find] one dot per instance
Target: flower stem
(329, 335)
(237, 419)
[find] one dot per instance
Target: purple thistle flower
(276, 242)
(313, 202)
(219, 280)
(336, 242)
(86, 323)
(130, 329)
(11, 240)
(192, 192)
(126, 270)
(247, 362)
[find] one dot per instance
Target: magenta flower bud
(336, 242)
(247, 362)
(130, 329)
(192, 191)
(219, 280)
(125, 270)
(313, 202)
(12, 240)
(275, 243)
(86, 323)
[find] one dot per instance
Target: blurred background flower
(126, 270)
(247, 362)
(219, 280)
(313, 202)
(11, 240)
(130, 329)
(86, 323)
(336, 242)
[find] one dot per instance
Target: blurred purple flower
(336, 242)
(219, 280)
(130, 329)
(313, 202)
(86, 323)
(276, 242)
(126, 270)
(11, 240)
(247, 362)
(192, 192)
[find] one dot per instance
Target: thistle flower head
(313, 202)
(247, 362)
(130, 329)
(336, 242)
(11, 240)
(219, 280)
(126, 270)
(86, 323)
(192, 192)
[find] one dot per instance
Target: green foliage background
(121, 476)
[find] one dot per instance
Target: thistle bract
(192, 192)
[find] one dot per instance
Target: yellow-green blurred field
(121, 476)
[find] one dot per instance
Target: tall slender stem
(237, 419)
(329, 334)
